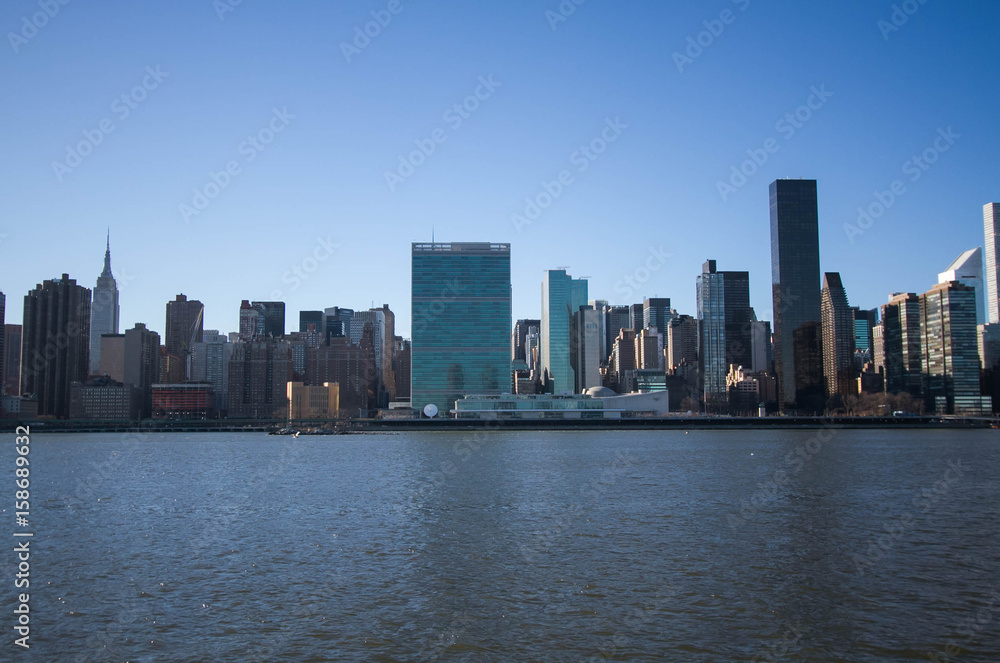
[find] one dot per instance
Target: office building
(185, 323)
(761, 350)
(112, 357)
(601, 306)
(103, 310)
(210, 363)
(251, 321)
(656, 313)
(55, 345)
(259, 373)
(142, 364)
(562, 296)
(901, 339)
(273, 314)
(104, 399)
(461, 322)
(724, 320)
(401, 368)
(350, 366)
(682, 341)
(616, 318)
(337, 322)
(307, 318)
(950, 351)
(518, 351)
(3, 334)
(796, 290)
(991, 223)
(838, 337)
(967, 269)
(10, 383)
(585, 361)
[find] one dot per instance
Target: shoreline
(370, 426)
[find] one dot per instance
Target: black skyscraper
(55, 346)
(795, 279)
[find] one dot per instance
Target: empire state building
(104, 311)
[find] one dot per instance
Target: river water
(830, 545)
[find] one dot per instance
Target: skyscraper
(951, 350)
(864, 330)
(838, 337)
(11, 378)
(142, 363)
(55, 346)
(724, 319)
(991, 222)
(901, 341)
(795, 282)
(185, 325)
(562, 297)
(103, 310)
(682, 341)
(461, 322)
(3, 334)
(274, 317)
(968, 270)
(307, 318)
(520, 337)
(586, 348)
(259, 373)
(656, 313)
(616, 318)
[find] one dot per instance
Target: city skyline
(910, 148)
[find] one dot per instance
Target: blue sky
(279, 73)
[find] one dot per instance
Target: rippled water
(626, 546)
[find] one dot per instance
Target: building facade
(461, 322)
(185, 324)
(55, 345)
(795, 282)
(724, 321)
(968, 270)
(562, 296)
(838, 337)
(104, 310)
(950, 350)
(991, 224)
(142, 364)
(902, 344)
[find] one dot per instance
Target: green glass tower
(461, 317)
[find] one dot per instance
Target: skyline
(878, 98)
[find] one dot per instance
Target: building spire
(107, 258)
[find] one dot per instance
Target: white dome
(600, 392)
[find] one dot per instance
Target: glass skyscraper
(562, 297)
(951, 351)
(725, 319)
(991, 217)
(795, 280)
(461, 318)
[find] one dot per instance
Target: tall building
(656, 312)
(562, 297)
(878, 348)
(616, 318)
(251, 321)
(601, 306)
(210, 363)
(795, 282)
(838, 337)
(10, 384)
(401, 367)
(273, 314)
(950, 350)
(635, 317)
(967, 269)
(185, 323)
(461, 322)
(55, 345)
(901, 339)
(519, 338)
(112, 357)
(142, 363)
(307, 318)
(761, 350)
(586, 349)
(864, 329)
(3, 335)
(991, 222)
(337, 322)
(623, 358)
(349, 365)
(103, 310)
(382, 321)
(259, 373)
(724, 320)
(682, 341)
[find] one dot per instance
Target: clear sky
(338, 117)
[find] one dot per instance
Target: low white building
(597, 403)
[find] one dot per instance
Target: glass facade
(725, 319)
(461, 317)
(951, 352)
(795, 280)
(901, 344)
(562, 296)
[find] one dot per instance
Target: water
(555, 546)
